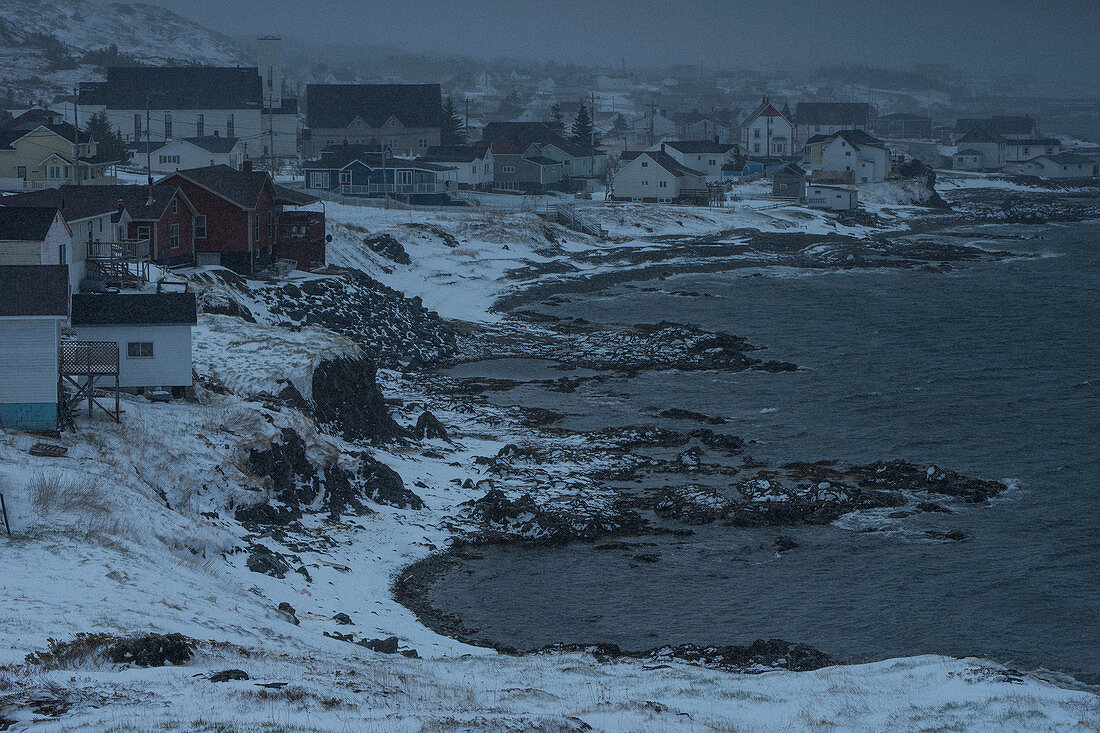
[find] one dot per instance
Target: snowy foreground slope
(133, 532)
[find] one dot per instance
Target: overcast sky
(1050, 38)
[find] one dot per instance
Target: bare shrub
(233, 419)
(72, 654)
(54, 491)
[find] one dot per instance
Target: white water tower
(270, 62)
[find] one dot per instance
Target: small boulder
(229, 674)
(384, 646)
(343, 619)
(287, 612)
(428, 426)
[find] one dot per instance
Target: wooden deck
(124, 263)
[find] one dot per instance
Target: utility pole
(76, 138)
(467, 120)
(592, 137)
(148, 153)
(385, 183)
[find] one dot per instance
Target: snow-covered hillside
(149, 33)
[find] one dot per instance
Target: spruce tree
(556, 121)
(453, 130)
(583, 131)
(109, 144)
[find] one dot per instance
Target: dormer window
(393, 122)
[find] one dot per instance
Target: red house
(240, 221)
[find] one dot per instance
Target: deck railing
(127, 249)
(399, 188)
(85, 358)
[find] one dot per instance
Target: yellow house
(43, 157)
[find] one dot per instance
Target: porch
(124, 263)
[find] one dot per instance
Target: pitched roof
(856, 138)
(34, 290)
(100, 199)
(1038, 141)
(1066, 158)
(293, 197)
(534, 132)
(91, 309)
(979, 135)
(664, 160)
(793, 169)
(453, 154)
(968, 151)
(213, 143)
(25, 223)
(542, 160)
(832, 113)
(64, 130)
(176, 87)
(700, 146)
(340, 156)
(337, 105)
(764, 109)
(74, 202)
(241, 187)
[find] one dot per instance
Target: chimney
(662, 147)
(246, 166)
(715, 139)
(121, 206)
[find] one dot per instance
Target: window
(756, 147)
(345, 178)
(756, 134)
(848, 153)
(422, 142)
(167, 125)
(137, 126)
(271, 225)
(318, 179)
(68, 173)
(199, 225)
(255, 226)
(473, 169)
(712, 161)
(393, 122)
(663, 184)
(143, 232)
(508, 169)
(645, 183)
(404, 178)
(200, 125)
(486, 167)
(394, 142)
(21, 172)
(63, 258)
(173, 236)
(230, 127)
(139, 350)
(175, 205)
(53, 171)
(90, 229)
(645, 164)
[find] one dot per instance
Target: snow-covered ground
(133, 531)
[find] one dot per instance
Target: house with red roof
(768, 131)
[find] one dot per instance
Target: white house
(38, 236)
(1063, 165)
(163, 103)
(473, 165)
(705, 156)
(848, 156)
(826, 118)
(193, 152)
(655, 176)
(833, 198)
(768, 131)
(34, 302)
(153, 333)
(1018, 150)
(989, 148)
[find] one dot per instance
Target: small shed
(833, 198)
(788, 181)
(34, 302)
(152, 330)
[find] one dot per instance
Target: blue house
(352, 170)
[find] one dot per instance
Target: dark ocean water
(993, 370)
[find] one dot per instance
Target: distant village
(154, 168)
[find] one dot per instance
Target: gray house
(405, 118)
(521, 168)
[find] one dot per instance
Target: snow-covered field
(133, 532)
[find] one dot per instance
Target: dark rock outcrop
(524, 519)
(759, 656)
(346, 396)
(151, 650)
(428, 426)
(383, 485)
(264, 560)
(229, 674)
(388, 247)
